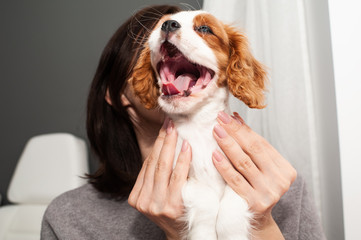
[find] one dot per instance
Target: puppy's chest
(203, 144)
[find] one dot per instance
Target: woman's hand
(157, 191)
(254, 170)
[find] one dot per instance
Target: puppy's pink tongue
(179, 85)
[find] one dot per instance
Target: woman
(136, 154)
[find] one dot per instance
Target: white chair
(49, 165)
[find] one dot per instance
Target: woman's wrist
(172, 234)
(267, 229)
(173, 237)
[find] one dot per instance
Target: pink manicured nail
(239, 118)
(185, 146)
(221, 133)
(224, 117)
(165, 124)
(217, 156)
(170, 127)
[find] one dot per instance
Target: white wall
(345, 22)
(322, 75)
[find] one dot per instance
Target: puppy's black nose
(170, 26)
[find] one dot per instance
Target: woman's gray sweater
(85, 213)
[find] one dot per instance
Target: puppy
(189, 65)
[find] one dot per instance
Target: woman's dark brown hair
(109, 128)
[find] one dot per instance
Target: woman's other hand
(254, 170)
(157, 192)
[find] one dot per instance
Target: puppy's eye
(204, 29)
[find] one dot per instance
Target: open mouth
(179, 76)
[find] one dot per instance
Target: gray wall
(49, 51)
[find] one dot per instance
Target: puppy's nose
(170, 26)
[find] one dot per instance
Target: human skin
(249, 165)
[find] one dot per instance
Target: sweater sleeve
(296, 214)
(84, 213)
(47, 232)
(309, 223)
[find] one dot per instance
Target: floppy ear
(143, 80)
(246, 77)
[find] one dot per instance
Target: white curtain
(277, 35)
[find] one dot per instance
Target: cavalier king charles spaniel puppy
(188, 66)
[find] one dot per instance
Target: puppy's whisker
(135, 37)
(199, 5)
(148, 30)
(188, 6)
(150, 18)
(157, 12)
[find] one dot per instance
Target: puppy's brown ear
(143, 80)
(246, 77)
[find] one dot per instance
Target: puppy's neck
(204, 115)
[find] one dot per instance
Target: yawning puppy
(189, 65)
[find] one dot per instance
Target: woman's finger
(163, 168)
(180, 172)
(256, 147)
(266, 157)
(280, 163)
(158, 144)
(149, 164)
(134, 194)
(239, 159)
(233, 178)
(247, 132)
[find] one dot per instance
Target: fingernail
(217, 156)
(165, 124)
(221, 133)
(170, 126)
(238, 118)
(185, 146)
(224, 117)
